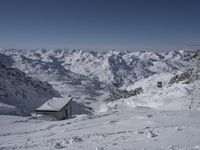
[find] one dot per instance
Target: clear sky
(100, 24)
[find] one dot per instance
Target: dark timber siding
(64, 113)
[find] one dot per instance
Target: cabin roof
(54, 104)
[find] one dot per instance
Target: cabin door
(66, 113)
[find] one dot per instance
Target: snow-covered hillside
(20, 94)
(128, 129)
(110, 67)
(88, 75)
(144, 116)
(169, 97)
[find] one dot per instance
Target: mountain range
(86, 75)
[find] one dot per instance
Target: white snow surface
(169, 97)
(129, 129)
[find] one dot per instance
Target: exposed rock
(186, 77)
(118, 94)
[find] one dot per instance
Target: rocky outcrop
(185, 77)
(118, 94)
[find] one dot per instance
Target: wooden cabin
(58, 108)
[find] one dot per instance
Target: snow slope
(127, 129)
(169, 97)
(20, 94)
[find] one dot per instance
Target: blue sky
(100, 24)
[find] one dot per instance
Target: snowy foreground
(128, 129)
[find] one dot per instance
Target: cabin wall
(64, 113)
(50, 113)
(69, 109)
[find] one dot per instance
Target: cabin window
(159, 84)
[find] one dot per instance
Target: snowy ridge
(110, 67)
(87, 75)
(50, 71)
(169, 97)
(20, 94)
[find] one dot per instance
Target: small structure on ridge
(59, 108)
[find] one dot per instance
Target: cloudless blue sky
(100, 24)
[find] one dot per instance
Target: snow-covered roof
(54, 104)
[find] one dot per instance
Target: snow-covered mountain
(20, 94)
(109, 67)
(51, 71)
(87, 75)
(138, 116)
